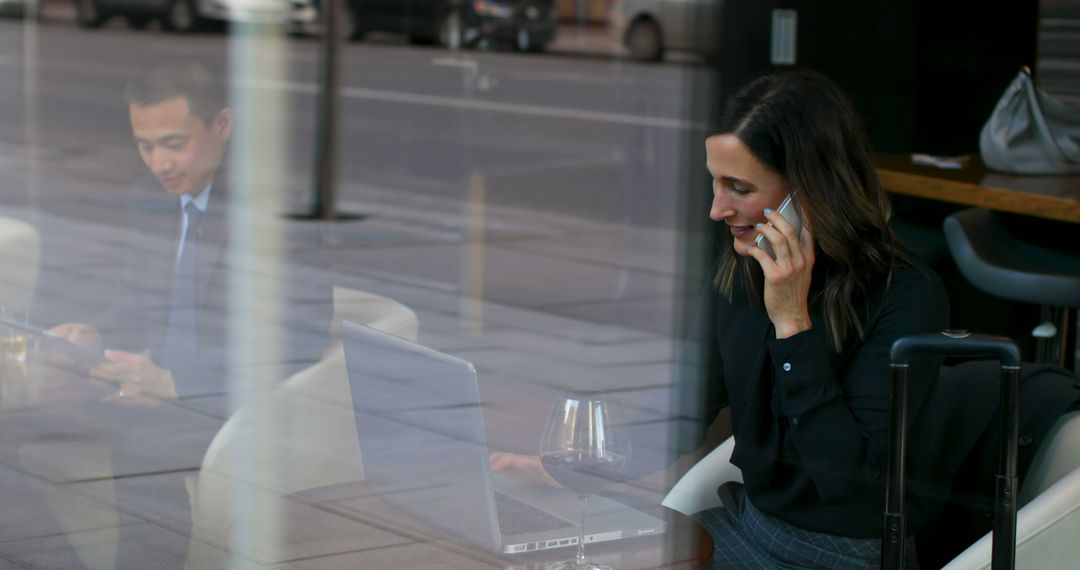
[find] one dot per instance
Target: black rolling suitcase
(952, 343)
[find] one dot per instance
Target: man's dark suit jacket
(138, 316)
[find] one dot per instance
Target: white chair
(375, 311)
(696, 490)
(319, 444)
(1048, 527)
(20, 248)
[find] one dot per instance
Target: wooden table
(304, 515)
(1050, 197)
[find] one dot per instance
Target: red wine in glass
(583, 471)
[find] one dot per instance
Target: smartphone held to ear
(790, 212)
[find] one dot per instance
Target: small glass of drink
(14, 343)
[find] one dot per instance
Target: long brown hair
(800, 125)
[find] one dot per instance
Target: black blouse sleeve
(837, 408)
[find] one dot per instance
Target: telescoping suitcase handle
(952, 343)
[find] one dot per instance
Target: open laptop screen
(421, 432)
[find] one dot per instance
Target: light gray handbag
(1032, 132)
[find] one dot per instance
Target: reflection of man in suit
(168, 320)
(181, 127)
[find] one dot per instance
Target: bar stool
(1001, 265)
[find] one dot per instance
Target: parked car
(21, 8)
(529, 25)
(187, 15)
(648, 28)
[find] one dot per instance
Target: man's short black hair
(191, 81)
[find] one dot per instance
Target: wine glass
(583, 447)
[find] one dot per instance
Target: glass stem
(581, 561)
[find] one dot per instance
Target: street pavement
(564, 273)
(597, 141)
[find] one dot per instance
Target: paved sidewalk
(560, 303)
(538, 301)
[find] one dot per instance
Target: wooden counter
(1050, 197)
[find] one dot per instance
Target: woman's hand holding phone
(789, 211)
(787, 268)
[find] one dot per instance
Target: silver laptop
(424, 448)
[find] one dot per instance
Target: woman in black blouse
(800, 343)
(798, 346)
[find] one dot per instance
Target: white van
(648, 28)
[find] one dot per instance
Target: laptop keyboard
(516, 517)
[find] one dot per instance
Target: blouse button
(787, 367)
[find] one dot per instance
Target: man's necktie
(181, 338)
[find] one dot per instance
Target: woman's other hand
(787, 278)
(521, 468)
